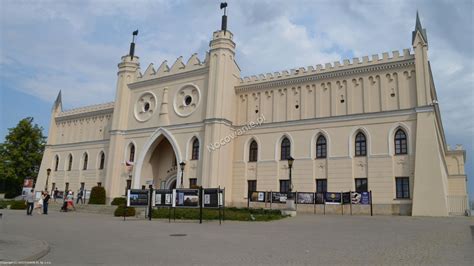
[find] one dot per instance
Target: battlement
(178, 66)
(87, 109)
(395, 56)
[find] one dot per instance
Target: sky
(75, 46)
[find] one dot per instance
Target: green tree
(20, 156)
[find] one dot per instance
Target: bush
(11, 194)
(97, 196)
(119, 201)
(232, 213)
(17, 205)
(4, 203)
(120, 211)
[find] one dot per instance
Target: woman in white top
(39, 204)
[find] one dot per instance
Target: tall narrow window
(69, 166)
(402, 187)
(361, 185)
(132, 153)
(195, 151)
(193, 183)
(102, 160)
(285, 149)
(86, 159)
(321, 185)
(284, 186)
(360, 145)
(321, 148)
(56, 163)
(253, 151)
(251, 186)
(401, 146)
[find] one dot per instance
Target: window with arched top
(253, 151)
(401, 145)
(285, 149)
(69, 166)
(360, 145)
(102, 160)
(195, 150)
(56, 163)
(85, 161)
(131, 157)
(321, 147)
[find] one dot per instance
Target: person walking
(30, 201)
(70, 200)
(46, 198)
(55, 194)
(80, 194)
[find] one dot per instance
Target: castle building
(370, 123)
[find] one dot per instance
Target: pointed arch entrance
(158, 160)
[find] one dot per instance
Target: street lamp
(290, 201)
(48, 172)
(181, 166)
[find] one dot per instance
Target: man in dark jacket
(46, 202)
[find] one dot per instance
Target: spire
(419, 28)
(224, 17)
(58, 102)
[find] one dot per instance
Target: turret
(55, 110)
(420, 47)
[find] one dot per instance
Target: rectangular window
(83, 185)
(252, 186)
(402, 187)
(284, 186)
(193, 182)
(66, 188)
(321, 185)
(361, 185)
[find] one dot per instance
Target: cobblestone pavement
(81, 238)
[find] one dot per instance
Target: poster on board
(278, 197)
(186, 198)
(137, 198)
(333, 198)
(212, 198)
(319, 197)
(305, 198)
(346, 198)
(162, 197)
(360, 198)
(257, 196)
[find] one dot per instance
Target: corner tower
(220, 110)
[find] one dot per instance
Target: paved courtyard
(82, 238)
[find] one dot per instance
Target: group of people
(41, 204)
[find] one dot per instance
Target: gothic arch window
(360, 145)
(401, 145)
(69, 166)
(285, 149)
(321, 147)
(101, 160)
(131, 157)
(56, 163)
(253, 151)
(195, 150)
(85, 161)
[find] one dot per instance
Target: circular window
(146, 107)
(188, 100)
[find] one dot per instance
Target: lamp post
(48, 172)
(290, 200)
(181, 166)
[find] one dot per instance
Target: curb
(34, 257)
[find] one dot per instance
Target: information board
(186, 198)
(212, 198)
(346, 197)
(257, 196)
(163, 197)
(319, 197)
(137, 197)
(360, 198)
(278, 197)
(333, 198)
(305, 198)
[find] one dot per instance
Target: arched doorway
(158, 161)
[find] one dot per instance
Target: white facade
(164, 112)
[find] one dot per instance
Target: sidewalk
(19, 248)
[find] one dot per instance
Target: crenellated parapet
(365, 61)
(178, 66)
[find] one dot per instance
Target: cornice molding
(168, 78)
(320, 76)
